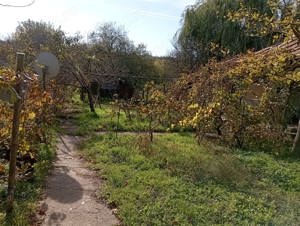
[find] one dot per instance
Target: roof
(292, 46)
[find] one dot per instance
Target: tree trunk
(151, 129)
(296, 146)
(82, 95)
(91, 101)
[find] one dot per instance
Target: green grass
(105, 120)
(174, 181)
(27, 192)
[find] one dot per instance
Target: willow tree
(207, 32)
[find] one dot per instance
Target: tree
(283, 22)
(208, 33)
(33, 37)
(75, 66)
(110, 38)
(114, 56)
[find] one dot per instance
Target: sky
(152, 22)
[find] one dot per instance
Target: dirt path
(71, 191)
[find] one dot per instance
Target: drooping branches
(242, 102)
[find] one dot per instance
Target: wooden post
(44, 74)
(15, 135)
(296, 146)
(44, 87)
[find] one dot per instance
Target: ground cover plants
(174, 181)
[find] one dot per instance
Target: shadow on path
(63, 188)
(71, 191)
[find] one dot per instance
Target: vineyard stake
(15, 135)
(44, 72)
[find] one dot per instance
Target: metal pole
(15, 135)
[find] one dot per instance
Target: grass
(105, 120)
(174, 181)
(27, 192)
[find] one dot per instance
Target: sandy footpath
(71, 191)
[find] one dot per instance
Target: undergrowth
(106, 120)
(27, 192)
(174, 181)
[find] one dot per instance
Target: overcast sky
(152, 22)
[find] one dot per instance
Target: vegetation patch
(27, 191)
(106, 119)
(174, 181)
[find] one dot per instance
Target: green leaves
(210, 31)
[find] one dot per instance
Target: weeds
(174, 181)
(27, 192)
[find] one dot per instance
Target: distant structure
(107, 89)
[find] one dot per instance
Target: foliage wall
(241, 102)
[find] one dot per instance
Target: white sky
(152, 22)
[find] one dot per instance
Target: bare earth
(71, 191)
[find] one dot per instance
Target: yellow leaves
(156, 95)
(7, 75)
(184, 123)
(32, 156)
(193, 106)
(295, 75)
(31, 115)
(258, 23)
(2, 169)
(226, 96)
(282, 58)
(35, 102)
(39, 104)
(195, 120)
(24, 147)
